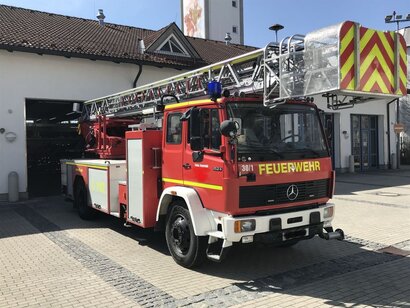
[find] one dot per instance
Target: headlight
(244, 225)
(328, 212)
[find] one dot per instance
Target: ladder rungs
(237, 72)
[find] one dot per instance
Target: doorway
(365, 137)
(51, 130)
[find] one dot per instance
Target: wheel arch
(202, 219)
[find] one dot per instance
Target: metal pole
(398, 134)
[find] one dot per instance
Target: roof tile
(35, 31)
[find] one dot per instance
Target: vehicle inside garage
(51, 130)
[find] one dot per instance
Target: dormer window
(173, 46)
(170, 41)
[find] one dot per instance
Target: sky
(297, 16)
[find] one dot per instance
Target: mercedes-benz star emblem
(292, 192)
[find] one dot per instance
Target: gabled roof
(164, 34)
(47, 33)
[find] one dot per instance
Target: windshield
(288, 131)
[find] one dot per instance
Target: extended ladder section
(346, 63)
(244, 74)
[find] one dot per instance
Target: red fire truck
(234, 152)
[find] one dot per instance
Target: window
(234, 4)
(172, 46)
(174, 128)
(211, 132)
(291, 131)
(215, 130)
(234, 29)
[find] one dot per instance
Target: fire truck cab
(236, 171)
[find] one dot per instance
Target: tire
(187, 249)
(81, 202)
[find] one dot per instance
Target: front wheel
(186, 248)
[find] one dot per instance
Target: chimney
(228, 38)
(101, 17)
(141, 46)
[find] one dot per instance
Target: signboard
(193, 18)
(398, 128)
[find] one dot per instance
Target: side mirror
(229, 128)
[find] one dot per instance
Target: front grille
(263, 195)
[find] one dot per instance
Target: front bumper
(281, 227)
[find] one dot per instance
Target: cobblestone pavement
(51, 258)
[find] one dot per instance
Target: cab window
(174, 128)
(212, 132)
(209, 129)
(210, 126)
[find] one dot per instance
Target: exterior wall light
(11, 137)
(345, 134)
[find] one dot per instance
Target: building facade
(48, 62)
(219, 20)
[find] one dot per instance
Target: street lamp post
(276, 28)
(396, 18)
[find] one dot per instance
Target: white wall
(369, 108)
(222, 16)
(26, 75)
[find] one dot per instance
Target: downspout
(388, 132)
(134, 84)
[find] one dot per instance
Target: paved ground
(51, 258)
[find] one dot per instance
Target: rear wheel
(186, 248)
(81, 202)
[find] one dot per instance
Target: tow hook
(338, 234)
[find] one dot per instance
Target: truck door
(206, 174)
(172, 150)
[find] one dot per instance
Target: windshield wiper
(316, 153)
(264, 150)
(275, 152)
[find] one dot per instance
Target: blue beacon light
(214, 90)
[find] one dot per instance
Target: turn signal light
(328, 212)
(244, 225)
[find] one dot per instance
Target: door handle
(186, 166)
